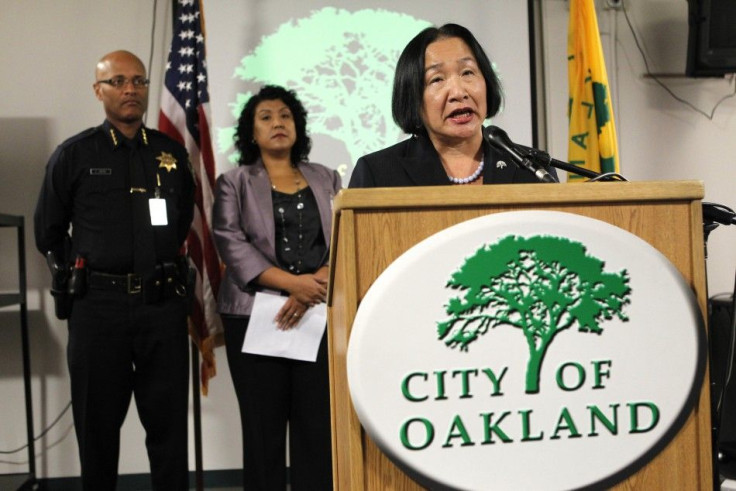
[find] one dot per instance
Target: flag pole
(196, 386)
(197, 409)
(184, 115)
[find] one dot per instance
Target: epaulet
(88, 133)
(154, 131)
(157, 134)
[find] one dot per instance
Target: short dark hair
(408, 92)
(249, 151)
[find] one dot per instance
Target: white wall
(48, 55)
(659, 138)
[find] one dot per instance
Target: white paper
(301, 342)
(157, 206)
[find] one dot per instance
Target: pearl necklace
(472, 177)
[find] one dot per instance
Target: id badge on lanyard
(157, 206)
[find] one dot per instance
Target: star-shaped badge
(167, 161)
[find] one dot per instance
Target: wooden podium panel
(373, 227)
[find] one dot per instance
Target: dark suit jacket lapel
(422, 163)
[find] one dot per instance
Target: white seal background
(658, 356)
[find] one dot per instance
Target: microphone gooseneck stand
(538, 161)
(544, 159)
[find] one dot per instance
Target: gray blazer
(244, 228)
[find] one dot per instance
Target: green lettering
(491, 428)
(634, 416)
(590, 108)
(405, 387)
(599, 373)
(526, 425)
(561, 379)
(597, 414)
(565, 423)
(579, 140)
(496, 381)
(465, 381)
(428, 434)
(458, 430)
(440, 376)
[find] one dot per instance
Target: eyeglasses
(120, 82)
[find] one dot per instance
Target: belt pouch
(174, 280)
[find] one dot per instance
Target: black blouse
(300, 243)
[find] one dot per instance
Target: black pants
(119, 347)
(271, 393)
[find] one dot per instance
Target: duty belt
(127, 283)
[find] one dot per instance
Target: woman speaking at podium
(444, 88)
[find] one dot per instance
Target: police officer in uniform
(128, 193)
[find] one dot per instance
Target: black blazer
(415, 162)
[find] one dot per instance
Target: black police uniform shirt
(100, 182)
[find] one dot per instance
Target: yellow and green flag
(592, 134)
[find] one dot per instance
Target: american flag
(185, 116)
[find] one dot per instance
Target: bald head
(118, 77)
(107, 62)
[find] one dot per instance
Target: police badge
(167, 161)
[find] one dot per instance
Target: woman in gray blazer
(271, 221)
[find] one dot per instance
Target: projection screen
(340, 57)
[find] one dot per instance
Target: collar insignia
(500, 164)
(167, 161)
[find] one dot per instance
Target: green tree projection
(341, 65)
(541, 285)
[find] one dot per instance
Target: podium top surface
(463, 196)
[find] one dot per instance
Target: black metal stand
(21, 481)
(197, 410)
(713, 216)
(544, 159)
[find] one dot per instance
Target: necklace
(294, 267)
(297, 180)
(471, 178)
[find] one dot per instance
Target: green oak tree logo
(341, 65)
(541, 285)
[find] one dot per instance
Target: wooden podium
(372, 227)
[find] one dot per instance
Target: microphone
(714, 212)
(499, 139)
